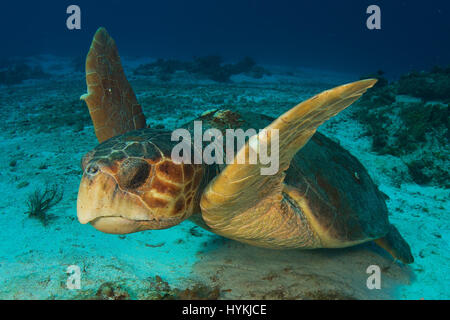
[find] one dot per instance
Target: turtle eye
(133, 173)
(92, 169)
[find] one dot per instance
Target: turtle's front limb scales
(273, 223)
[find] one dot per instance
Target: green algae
(403, 120)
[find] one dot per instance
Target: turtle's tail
(394, 243)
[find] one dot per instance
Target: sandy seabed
(45, 130)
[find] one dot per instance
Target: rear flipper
(394, 243)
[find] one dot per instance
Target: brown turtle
(321, 197)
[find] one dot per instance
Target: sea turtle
(321, 196)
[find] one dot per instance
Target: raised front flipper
(112, 103)
(244, 205)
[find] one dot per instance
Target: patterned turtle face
(131, 184)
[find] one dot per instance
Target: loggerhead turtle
(321, 197)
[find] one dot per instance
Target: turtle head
(130, 184)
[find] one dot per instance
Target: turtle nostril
(92, 169)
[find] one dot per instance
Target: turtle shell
(339, 191)
(337, 188)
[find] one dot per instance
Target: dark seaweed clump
(41, 201)
(161, 290)
(409, 118)
(157, 289)
(433, 85)
(111, 291)
(15, 73)
(210, 67)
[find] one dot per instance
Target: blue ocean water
(185, 59)
(321, 33)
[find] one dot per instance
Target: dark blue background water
(326, 34)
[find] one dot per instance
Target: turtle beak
(108, 208)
